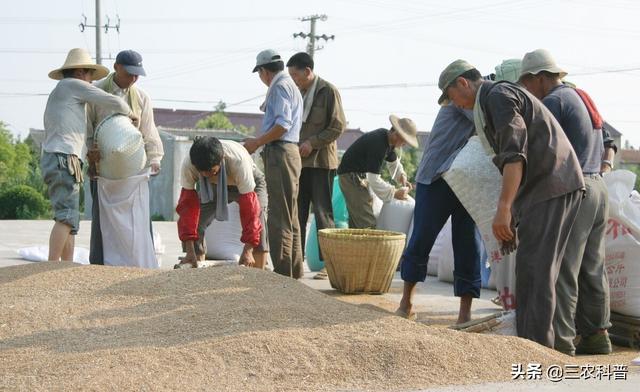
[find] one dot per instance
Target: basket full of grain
(361, 260)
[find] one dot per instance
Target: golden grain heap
(66, 326)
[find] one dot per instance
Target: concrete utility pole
(311, 46)
(98, 26)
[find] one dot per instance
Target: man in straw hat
(582, 289)
(542, 186)
(361, 166)
(128, 68)
(435, 203)
(279, 137)
(65, 127)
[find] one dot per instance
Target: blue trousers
(435, 203)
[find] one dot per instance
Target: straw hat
(406, 128)
(80, 58)
(540, 60)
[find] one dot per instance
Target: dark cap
(132, 62)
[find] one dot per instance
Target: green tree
(410, 158)
(219, 120)
(15, 157)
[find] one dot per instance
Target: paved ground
(435, 302)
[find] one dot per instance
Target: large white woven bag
(121, 147)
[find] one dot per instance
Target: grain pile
(71, 327)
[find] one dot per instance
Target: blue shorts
(64, 191)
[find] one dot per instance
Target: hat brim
(410, 139)
(444, 98)
(256, 68)
(135, 70)
(554, 70)
(99, 71)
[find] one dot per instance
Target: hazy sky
(386, 56)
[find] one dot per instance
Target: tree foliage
(15, 159)
(219, 120)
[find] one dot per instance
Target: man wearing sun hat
(542, 186)
(361, 165)
(65, 127)
(279, 137)
(582, 288)
(128, 68)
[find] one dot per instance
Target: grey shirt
(520, 128)
(571, 112)
(450, 132)
(65, 119)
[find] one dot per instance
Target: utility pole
(311, 45)
(98, 26)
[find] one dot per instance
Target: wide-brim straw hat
(80, 58)
(540, 60)
(406, 128)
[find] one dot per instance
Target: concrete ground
(435, 304)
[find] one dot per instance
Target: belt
(280, 142)
(592, 175)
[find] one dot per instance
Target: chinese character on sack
(534, 371)
(617, 228)
(508, 299)
(496, 257)
(517, 371)
(620, 372)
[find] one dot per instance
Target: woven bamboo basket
(361, 260)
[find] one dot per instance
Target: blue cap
(132, 62)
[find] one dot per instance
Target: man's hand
(401, 193)
(305, 149)
(251, 144)
(502, 224)
(405, 182)
(135, 120)
(605, 168)
(155, 168)
(246, 258)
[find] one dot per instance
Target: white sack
(41, 253)
(223, 238)
(125, 222)
(396, 215)
(623, 243)
(477, 183)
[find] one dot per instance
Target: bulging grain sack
(622, 246)
(121, 147)
(477, 183)
(396, 215)
(223, 238)
(442, 254)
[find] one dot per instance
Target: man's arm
(102, 99)
(282, 108)
(152, 142)
(511, 179)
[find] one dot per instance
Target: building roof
(187, 119)
(612, 131)
(630, 156)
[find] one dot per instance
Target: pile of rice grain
(72, 327)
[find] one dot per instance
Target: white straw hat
(80, 58)
(406, 128)
(540, 60)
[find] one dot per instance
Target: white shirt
(238, 164)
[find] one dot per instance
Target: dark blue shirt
(572, 114)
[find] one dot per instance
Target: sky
(386, 56)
